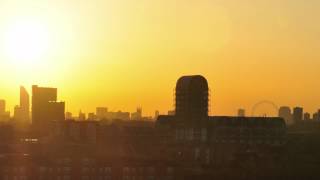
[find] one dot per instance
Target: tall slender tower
(24, 104)
(2, 106)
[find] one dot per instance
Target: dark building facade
(45, 107)
(297, 114)
(192, 100)
(22, 112)
(285, 113)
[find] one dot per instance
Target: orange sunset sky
(128, 53)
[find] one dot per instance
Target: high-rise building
(2, 106)
(306, 116)
(22, 112)
(285, 113)
(24, 103)
(241, 112)
(192, 98)
(4, 115)
(316, 116)
(297, 114)
(45, 107)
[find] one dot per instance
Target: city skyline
(271, 111)
(130, 52)
(264, 111)
(46, 107)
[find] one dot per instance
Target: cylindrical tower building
(192, 98)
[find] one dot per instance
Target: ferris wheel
(261, 106)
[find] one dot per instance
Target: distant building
(156, 114)
(69, 116)
(137, 115)
(24, 103)
(101, 112)
(22, 112)
(92, 117)
(119, 115)
(285, 113)
(4, 115)
(2, 106)
(241, 113)
(297, 114)
(45, 107)
(317, 118)
(82, 116)
(306, 116)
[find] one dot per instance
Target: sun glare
(26, 43)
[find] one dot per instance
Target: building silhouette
(306, 116)
(137, 115)
(192, 100)
(4, 115)
(45, 107)
(297, 114)
(24, 103)
(22, 112)
(2, 106)
(69, 116)
(101, 112)
(82, 116)
(241, 113)
(156, 114)
(285, 113)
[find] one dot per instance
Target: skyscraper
(22, 112)
(4, 115)
(192, 98)
(24, 103)
(45, 107)
(297, 114)
(2, 106)
(285, 113)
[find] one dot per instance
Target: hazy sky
(128, 53)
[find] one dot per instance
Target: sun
(26, 43)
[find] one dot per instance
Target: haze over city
(124, 54)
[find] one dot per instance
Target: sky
(128, 53)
